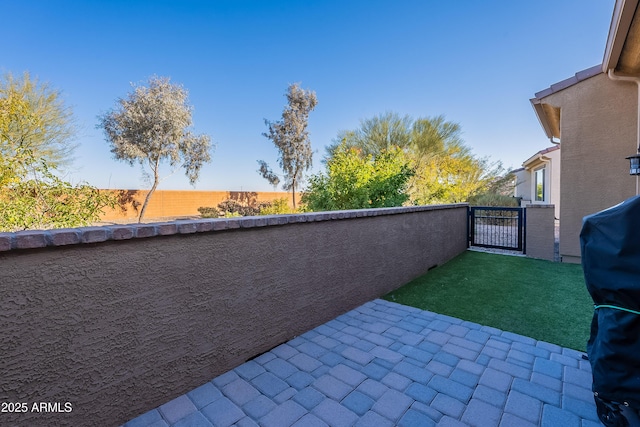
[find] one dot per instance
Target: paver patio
(386, 364)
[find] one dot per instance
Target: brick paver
(385, 364)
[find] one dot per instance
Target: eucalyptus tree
(152, 125)
(291, 138)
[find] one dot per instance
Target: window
(539, 185)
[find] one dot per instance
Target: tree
(276, 207)
(153, 125)
(11, 159)
(34, 118)
(445, 169)
(41, 200)
(291, 137)
(357, 181)
(452, 178)
(500, 192)
(35, 128)
(378, 133)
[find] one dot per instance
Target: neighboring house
(522, 187)
(538, 181)
(594, 115)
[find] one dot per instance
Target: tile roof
(578, 77)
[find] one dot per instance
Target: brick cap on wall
(33, 239)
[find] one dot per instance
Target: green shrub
(234, 207)
(276, 207)
(354, 180)
(208, 212)
(229, 209)
(45, 201)
(231, 215)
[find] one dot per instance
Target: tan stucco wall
(118, 327)
(555, 180)
(175, 203)
(551, 163)
(525, 184)
(598, 130)
(540, 232)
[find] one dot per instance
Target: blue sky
(475, 62)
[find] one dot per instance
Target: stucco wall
(175, 203)
(551, 164)
(548, 159)
(598, 130)
(118, 320)
(556, 179)
(523, 185)
(540, 234)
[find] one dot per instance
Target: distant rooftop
(541, 153)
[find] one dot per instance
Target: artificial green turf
(543, 300)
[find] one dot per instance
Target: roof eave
(623, 13)
(548, 118)
(539, 157)
(542, 118)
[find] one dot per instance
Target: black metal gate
(497, 227)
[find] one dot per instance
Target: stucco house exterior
(538, 181)
(594, 115)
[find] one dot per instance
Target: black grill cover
(610, 245)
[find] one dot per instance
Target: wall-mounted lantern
(634, 164)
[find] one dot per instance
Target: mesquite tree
(291, 137)
(153, 125)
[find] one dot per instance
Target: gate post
(470, 226)
(540, 231)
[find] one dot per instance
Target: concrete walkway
(386, 364)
